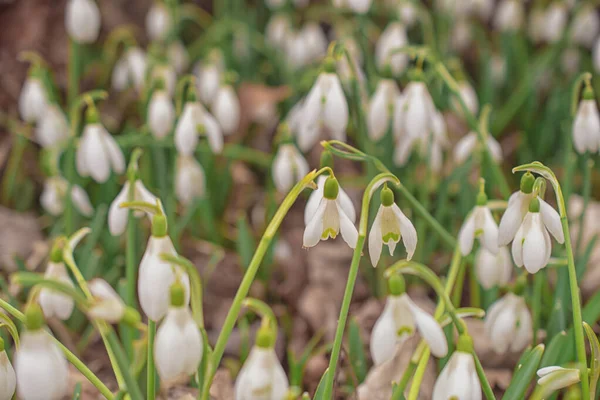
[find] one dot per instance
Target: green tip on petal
(159, 225)
(396, 285)
(588, 93)
(481, 199)
(534, 205)
(91, 115)
(332, 188)
(464, 343)
(34, 318)
(177, 294)
(387, 196)
(265, 338)
(527, 182)
(329, 65)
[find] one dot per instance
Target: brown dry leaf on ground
(259, 104)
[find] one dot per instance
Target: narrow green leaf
(595, 360)
(245, 241)
(77, 391)
(358, 358)
(555, 348)
(524, 374)
(320, 392)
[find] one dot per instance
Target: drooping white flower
(178, 346)
(468, 144)
(408, 13)
(532, 246)
(226, 109)
(190, 181)
(458, 380)
(461, 36)
(493, 270)
(555, 22)
(161, 114)
(315, 199)
(325, 108)
(289, 167)
(119, 79)
(54, 193)
(386, 50)
(196, 121)
(41, 368)
(389, 226)
(107, 304)
(508, 324)
(469, 97)
(277, 30)
(345, 69)
(480, 224)
(130, 69)
(52, 128)
(585, 26)
(509, 15)
(381, 109)
(98, 154)
(329, 219)
(54, 303)
(158, 21)
(518, 204)
(399, 320)
(32, 100)
(296, 51)
(209, 74)
(554, 378)
(274, 4)
(117, 216)
(156, 277)
(82, 19)
(314, 40)
(178, 56)
(357, 6)
(537, 25)
(586, 126)
(8, 378)
(262, 377)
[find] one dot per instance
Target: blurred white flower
(54, 303)
(408, 12)
(585, 26)
(158, 21)
(586, 126)
(325, 108)
(461, 36)
(509, 15)
(107, 304)
(278, 30)
(98, 153)
(346, 70)
(209, 74)
(130, 68)
(518, 204)
(52, 128)
(493, 269)
(555, 22)
(508, 324)
(555, 378)
(8, 378)
(262, 377)
(161, 114)
(289, 167)
(458, 380)
(190, 181)
(469, 143)
(329, 219)
(532, 246)
(381, 108)
(178, 56)
(357, 6)
(82, 19)
(399, 320)
(315, 199)
(386, 49)
(226, 109)
(536, 28)
(479, 224)
(32, 100)
(296, 51)
(468, 96)
(117, 216)
(54, 193)
(274, 4)
(193, 122)
(314, 40)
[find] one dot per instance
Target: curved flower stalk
(41, 368)
(459, 380)
(381, 108)
(226, 109)
(82, 20)
(53, 303)
(586, 125)
(8, 378)
(480, 224)
(508, 324)
(196, 121)
(54, 195)
(386, 50)
(161, 113)
(468, 144)
(52, 128)
(289, 167)
(399, 320)
(389, 226)
(330, 218)
(190, 180)
(493, 269)
(158, 21)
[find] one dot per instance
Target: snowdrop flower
(54, 303)
(178, 346)
(399, 320)
(40, 366)
(178, 56)
(508, 324)
(52, 128)
(518, 204)
(209, 76)
(82, 19)
(386, 54)
(479, 224)
(537, 25)
(161, 114)
(158, 21)
(555, 21)
(330, 218)
(190, 180)
(325, 108)
(555, 378)
(458, 379)
(509, 15)
(468, 96)
(130, 68)
(532, 246)
(277, 30)
(296, 51)
(117, 216)
(119, 78)
(493, 269)
(98, 153)
(586, 125)
(389, 226)
(315, 41)
(54, 193)
(289, 167)
(357, 6)
(33, 99)
(226, 109)
(107, 305)
(195, 121)
(156, 276)
(461, 36)
(408, 13)
(468, 143)
(381, 109)
(315, 199)
(262, 377)
(585, 26)
(344, 69)
(8, 378)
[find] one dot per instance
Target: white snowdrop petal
(158, 21)
(8, 378)
(535, 246)
(186, 136)
(96, 159)
(161, 114)
(464, 148)
(115, 155)
(503, 329)
(226, 108)
(347, 228)
(335, 113)
(524, 330)
(346, 203)
(32, 100)
(117, 216)
(517, 247)
(375, 239)
(81, 201)
(314, 229)
(314, 200)
(551, 220)
(82, 20)
(489, 237)
(513, 217)
(430, 331)
(408, 231)
(466, 235)
(213, 133)
(383, 336)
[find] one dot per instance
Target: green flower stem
(151, 379)
(356, 256)
(72, 358)
(485, 385)
(474, 289)
(121, 358)
(538, 286)
(250, 274)
(74, 69)
(130, 278)
(398, 393)
(419, 374)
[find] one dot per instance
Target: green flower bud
(588, 93)
(465, 343)
(56, 254)
(91, 115)
(534, 205)
(177, 294)
(387, 196)
(329, 65)
(34, 318)
(396, 285)
(482, 199)
(159, 225)
(332, 188)
(527, 183)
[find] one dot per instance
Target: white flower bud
(98, 154)
(136, 60)
(53, 303)
(481, 224)
(469, 97)
(458, 380)
(52, 128)
(493, 269)
(158, 21)
(161, 114)
(107, 305)
(296, 51)
(289, 167)
(381, 108)
(555, 378)
(8, 378)
(32, 100)
(53, 197)
(585, 26)
(586, 127)
(508, 324)
(262, 377)
(209, 76)
(555, 22)
(82, 19)
(117, 216)
(226, 109)
(195, 121)
(386, 50)
(277, 30)
(314, 40)
(178, 56)
(509, 15)
(190, 180)
(469, 143)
